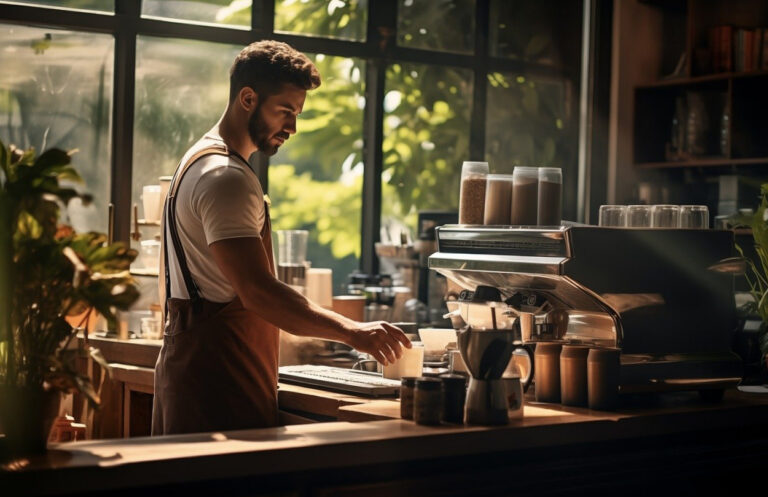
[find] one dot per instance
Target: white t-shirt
(218, 198)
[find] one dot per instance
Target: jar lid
(453, 380)
(577, 351)
(424, 383)
(526, 171)
(499, 177)
(408, 381)
(474, 167)
(553, 174)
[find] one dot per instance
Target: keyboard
(340, 380)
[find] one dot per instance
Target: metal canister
(427, 401)
(603, 374)
(407, 387)
(573, 375)
(546, 360)
(454, 396)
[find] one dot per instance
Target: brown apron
(217, 368)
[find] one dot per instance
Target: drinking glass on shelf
(613, 215)
(639, 216)
(694, 217)
(665, 216)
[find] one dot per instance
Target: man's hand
(380, 339)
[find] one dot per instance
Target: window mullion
(127, 13)
(480, 87)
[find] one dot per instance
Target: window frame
(379, 49)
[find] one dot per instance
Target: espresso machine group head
(664, 297)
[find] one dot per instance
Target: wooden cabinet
(689, 115)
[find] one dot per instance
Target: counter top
(336, 447)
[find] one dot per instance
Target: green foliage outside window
(316, 181)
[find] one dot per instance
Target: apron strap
(170, 220)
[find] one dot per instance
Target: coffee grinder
(486, 346)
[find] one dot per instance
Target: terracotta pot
(26, 416)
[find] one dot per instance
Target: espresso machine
(664, 297)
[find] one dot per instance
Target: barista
(217, 369)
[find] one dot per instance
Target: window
(527, 123)
(342, 19)
(98, 5)
(316, 178)
(539, 32)
(233, 13)
(182, 88)
(60, 92)
(426, 138)
(56, 91)
(445, 25)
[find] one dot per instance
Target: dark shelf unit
(735, 103)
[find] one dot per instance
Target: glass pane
(426, 138)
(529, 122)
(542, 32)
(446, 25)
(316, 178)
(232, 12)
(59, 94)
(102, 5)
(343, 19)
(182, 88)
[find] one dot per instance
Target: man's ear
(248, 98)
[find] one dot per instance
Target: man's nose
(290, 126)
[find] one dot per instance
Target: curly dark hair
(265, 66)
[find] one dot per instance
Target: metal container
(573, 375)
(546, 361)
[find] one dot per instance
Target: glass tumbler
(665, 216)
(639, 216)
(694, 217)
(613, 216)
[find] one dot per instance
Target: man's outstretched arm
(245, 264)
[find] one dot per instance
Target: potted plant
(48, 275)
(757, 274)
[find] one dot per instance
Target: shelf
(704, 78)
(145, 272)
(703, 162)
(144, 222)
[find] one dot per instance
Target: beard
(260, 134)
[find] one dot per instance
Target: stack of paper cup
(319, 286)
(151, 200)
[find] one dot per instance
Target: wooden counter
(677, 444)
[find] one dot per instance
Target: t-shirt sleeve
(229, 204)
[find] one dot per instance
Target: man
(217, 369)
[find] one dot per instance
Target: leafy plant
(51, 275)
(757, 275)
